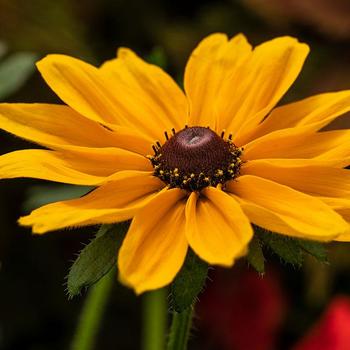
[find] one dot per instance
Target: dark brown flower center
(194, 158)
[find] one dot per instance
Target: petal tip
(239, 37)
(124, 52)
(48, 59)
(27, 221)
(23, 221)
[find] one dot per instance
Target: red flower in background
(243, 312)
(332, 331)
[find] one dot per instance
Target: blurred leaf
(286, 248)
(3, 49)
(48, 26)
(37, 196)
(96, 259)
(158, 57)
(255, 255)
(14, 72)
(316, 249)
(188, 282)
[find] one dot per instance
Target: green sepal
(288, 249)
(316, 249)
(96, 259)
(255, 255)
(189, 282)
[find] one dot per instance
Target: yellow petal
(156, 101)
(305, 214)
(265, 146)
(115, 201)
(266, 218)
(303, 175)
(98, 95)
(338, 147)
(52, 124)
(345, 237)
(129, 139)
(155, 246)
(214, 60)
(271, 70)
(300, 143)
(56, 126)
(319, 110)
(82, 87)
(79, 165)
(336, 203)
(104, 161)
(47, 165)
(216, 227)
(342, 207)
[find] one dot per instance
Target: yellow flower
(191, 169)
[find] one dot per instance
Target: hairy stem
(180, 329)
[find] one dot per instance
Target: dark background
(35, 313)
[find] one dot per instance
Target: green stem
(154, 320)
(92, 313)
(180, 329)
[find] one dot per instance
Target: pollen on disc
(196, 157)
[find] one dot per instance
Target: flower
(237, 305)
(240, 303)
(191, 169)
(331, 332)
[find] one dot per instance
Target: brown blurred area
(35, 313)
(330, 18)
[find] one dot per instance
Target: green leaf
(96, 259)
(188, 282)
(316, 249)
(255, 255)
(286, 248)
(40, 195)
(14, 72)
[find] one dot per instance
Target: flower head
(193, 168)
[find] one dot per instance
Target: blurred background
(299, 309)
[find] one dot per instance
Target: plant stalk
(92, 313)
(180, 329)
(154, 320)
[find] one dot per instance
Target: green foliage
(188, 282)
(96, 259)
(255, 255)
(286, 248)
(290, 250)
(316, 249)
(39, 195)
(14, 72)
